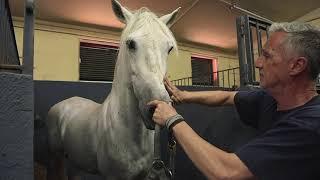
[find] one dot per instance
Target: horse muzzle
(147, 117)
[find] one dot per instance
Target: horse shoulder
(69, 111)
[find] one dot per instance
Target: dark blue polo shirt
(288, 147)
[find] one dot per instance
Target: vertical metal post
(267, 32)
(249, 50)
(259, 38)
(28, 38)
(228, 78)
(241, 51)
(222, 78)
(234, 78)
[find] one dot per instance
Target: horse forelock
(147, 22)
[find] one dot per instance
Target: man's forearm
(213, 162)
(210, 98)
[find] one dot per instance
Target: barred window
(97, 62)
(202, 71)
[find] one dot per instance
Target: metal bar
(233, 6)
(234, 78)
(218, 83)
(241, 51)
(13, 37)
(11, 67)
(258, 31)
(28, 38)
(228, 78)
(249, 50)
(222, 78)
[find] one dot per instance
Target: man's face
(272, 64)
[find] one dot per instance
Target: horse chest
(125, 160)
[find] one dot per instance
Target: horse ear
(121, 12)
(169, 18)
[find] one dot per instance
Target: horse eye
(131, 44)
(170, 49)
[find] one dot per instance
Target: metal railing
(9, 58)
(228, 79)
(250, 32)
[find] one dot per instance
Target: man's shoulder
(252, 92)
(308, 115)
(309, 109)
(260, 96)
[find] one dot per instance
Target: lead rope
(171, 151)
(158, 169)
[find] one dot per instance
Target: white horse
(112, 138)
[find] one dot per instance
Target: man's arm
(210, 98)
(211, 161)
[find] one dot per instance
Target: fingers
(154, 103)
(174, 92)
(169, 84)
(175, 100)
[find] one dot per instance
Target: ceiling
(203, 22)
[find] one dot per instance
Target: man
(286, 110)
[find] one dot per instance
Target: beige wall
(179, 65)
(226, 77)
(57, 51)
(55, 55)
(226, 60)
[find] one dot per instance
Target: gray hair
(303, 39)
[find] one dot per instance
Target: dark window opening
(97, 62)
(202, 71)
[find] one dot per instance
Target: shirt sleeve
(248, 106)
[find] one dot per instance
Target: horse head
(145, 44)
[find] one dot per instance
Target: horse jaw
(152, 90)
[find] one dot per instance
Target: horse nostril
(151, 110)
(131, 44)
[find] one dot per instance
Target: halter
(158, 168)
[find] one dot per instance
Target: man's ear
(298, 65)
(123, 14)
(169, 18)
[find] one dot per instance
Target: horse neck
(121, 101)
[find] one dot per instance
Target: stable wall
(57, 51)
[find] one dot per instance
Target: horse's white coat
(112, 138)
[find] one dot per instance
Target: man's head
(291, 52)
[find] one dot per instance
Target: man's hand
(176, 95)
(162, 111)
